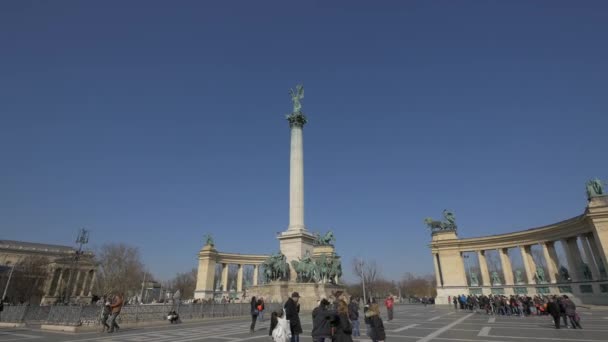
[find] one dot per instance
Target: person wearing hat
(292, 313)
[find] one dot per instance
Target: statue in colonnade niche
(564, 274)
(540, 275)
(586, 271)
(474, 280)
(518, 277)
(595, 188)
(495, 278)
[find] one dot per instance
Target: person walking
(377, 333)
(322, 318)
(254, 314)
(116, 306)
(389, 302)
(342, 329)
(105, 314)
(570, 308)
(353, 314)
(366, 319)
(261, 308)
(455, 301)
(292, 314)
(553, 310)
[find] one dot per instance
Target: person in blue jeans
(353, 315)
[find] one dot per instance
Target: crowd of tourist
(521, 305)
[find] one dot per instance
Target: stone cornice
(241, 259)
(557, 231)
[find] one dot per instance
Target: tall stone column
(239, 279)
(505, 262)
(296, 179)
(256, 272)
(595, 271)
(525, 256)
(225, 277)
(483, 268)
(296, 241)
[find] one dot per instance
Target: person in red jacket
(389, 302)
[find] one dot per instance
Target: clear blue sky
(153, 123)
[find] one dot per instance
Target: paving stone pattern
(412, 323)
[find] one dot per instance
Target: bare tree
(185, 283)
(368, 272)
(120, 269)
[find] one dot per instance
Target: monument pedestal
(280, 291)
(295, 245)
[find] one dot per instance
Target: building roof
(33, 246)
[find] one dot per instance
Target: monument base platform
(280, 291)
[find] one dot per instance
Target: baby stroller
(173, 317)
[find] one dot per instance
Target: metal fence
(90, 315)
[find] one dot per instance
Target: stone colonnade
(585, 278)
(209, 257)
(64, 281)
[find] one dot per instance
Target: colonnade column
(255, 274)
(85, 282)
(595, 272)
(437, 271)
(49, 282)
(92, 283)
(58, 286)
(598, 257)
(551, 263)
(525, 256)
(505, 262)
(483, 268)
(225, 277)
(573, 255)
(75, 289)
(239, 279)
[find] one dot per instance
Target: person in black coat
(341, 326)
(254, 314)
(553, 310)
(322, 317)
(292, 314)
(377, 332)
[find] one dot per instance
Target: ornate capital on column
(297, 119)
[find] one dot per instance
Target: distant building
(46, 274)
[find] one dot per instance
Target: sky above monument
(154, 123)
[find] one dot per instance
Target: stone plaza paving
(411, 323)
